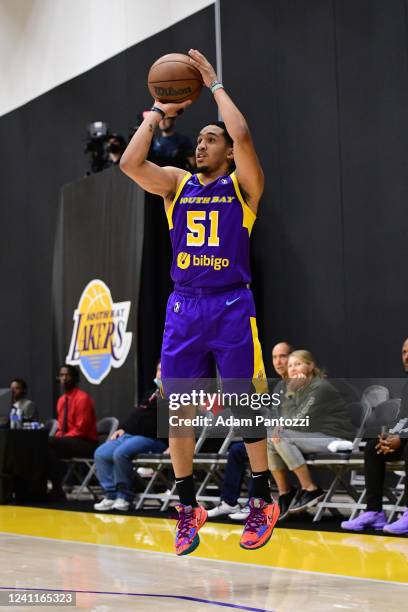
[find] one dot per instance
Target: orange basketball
(172, 78)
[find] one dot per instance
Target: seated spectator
(237, 455)
(26, 410)
(388, 447)
(138, 434)
(308, 394)
(76, 434)
(169, 148)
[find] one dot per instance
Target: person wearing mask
(115, 147)
(76, 435)
(308, 394)
(137, 434)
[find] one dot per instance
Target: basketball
(172, 78)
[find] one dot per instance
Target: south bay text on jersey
(213, 200)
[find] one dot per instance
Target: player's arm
(248, 169)
(150, 177)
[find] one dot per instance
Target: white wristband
(216, 86)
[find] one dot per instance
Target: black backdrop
(100, 236)
(324, 86)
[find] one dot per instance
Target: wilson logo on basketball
(171, 91)
(99, 338)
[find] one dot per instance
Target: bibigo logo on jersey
(184, 260)
(99, 338)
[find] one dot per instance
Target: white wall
(44, 43)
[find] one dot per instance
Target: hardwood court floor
(126, 563)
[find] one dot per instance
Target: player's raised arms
(248, 168)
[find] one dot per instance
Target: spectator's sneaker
(121, 504)
(259, 524)
(105, 504)
(190, 522)
(366, 520)
(398, 527)
(145, 472)
(284, 502)
(305, 499)
(241, 514)
(222, 509)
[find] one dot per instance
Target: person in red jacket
(76, 435)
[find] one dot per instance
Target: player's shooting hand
(172, 109)
(203, 65)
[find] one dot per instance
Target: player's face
(212, 150)
(405, 355)
(280, 357)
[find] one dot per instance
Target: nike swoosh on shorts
(229, 302)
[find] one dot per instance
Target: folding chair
(77, 465)
(399, 488)
(374, 395)
(213, 464)
(52, 427)
(342, 462)
(158, 462)
(384, 414)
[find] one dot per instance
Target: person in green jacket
(317, 414)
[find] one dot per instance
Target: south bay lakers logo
(99, 338)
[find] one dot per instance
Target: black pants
(374, 466)
(66, 448)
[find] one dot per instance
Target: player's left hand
(203, 65)
(172, 109)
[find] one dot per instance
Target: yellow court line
(353, 555)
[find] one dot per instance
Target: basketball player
(211, 314)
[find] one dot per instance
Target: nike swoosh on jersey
(229, 302)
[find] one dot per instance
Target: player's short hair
(226, 135)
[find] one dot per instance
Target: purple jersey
(210, 226)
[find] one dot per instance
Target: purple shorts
(202, 328)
